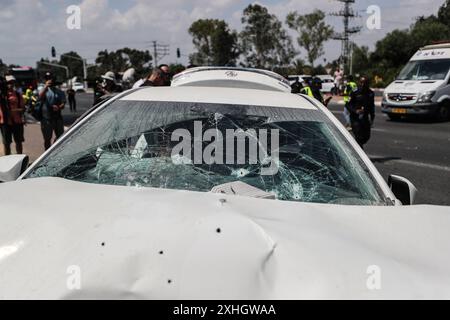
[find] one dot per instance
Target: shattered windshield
(266, 152)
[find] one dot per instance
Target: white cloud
(30, 27)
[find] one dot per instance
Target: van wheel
(443, 113)
(394, 117)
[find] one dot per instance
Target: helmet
(10, 78)
(317, 82)
(109, 76)
(48, 76)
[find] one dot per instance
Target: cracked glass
(132, 143)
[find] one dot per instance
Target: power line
(346, 13)
(160, 51)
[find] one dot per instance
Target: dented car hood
(126, 242)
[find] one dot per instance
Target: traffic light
(53, 52)
(178, 53)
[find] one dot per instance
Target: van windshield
(425, 70)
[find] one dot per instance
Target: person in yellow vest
(313, 89)
(350, 87)
(307, 88)
(27, 97)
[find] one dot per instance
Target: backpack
(37, 110)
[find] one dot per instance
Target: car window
(425, 70)
(290, 154)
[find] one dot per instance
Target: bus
(25, 77)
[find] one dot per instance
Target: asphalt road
(84, 103)
(416, 150)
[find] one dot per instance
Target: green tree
(75, 65)
(3, 68)
(123, 59)
(361, 59)
(428, 30)
(312, 31)
(393, 51)
(444, 13)
(140, 60)
(264, 41)
(216, 44)
(298, 66)
(176, 68)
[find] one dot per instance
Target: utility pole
(159, 51)
(347, 13)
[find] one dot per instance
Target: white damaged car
(223, 186)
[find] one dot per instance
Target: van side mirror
(11, 167)
(403, 189)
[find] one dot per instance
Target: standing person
(316, 86)
(28, 97)
(139, 83)
(98, 92)
(155, 79)
(312, 88)
(53, 101)
(12, 116)
(71, 97)
(362, 111)
(107, 87)
(296, 87)
(307, 88)
(166, 74)
(350, 87)
(338, 77)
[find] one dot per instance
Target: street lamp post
(84, 68)
(57, 66)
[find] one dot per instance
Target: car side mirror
(403, 189)
(11, 167)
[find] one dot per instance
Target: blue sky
(28, 28)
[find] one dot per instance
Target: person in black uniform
(362, 111)
(316, 88)
(296, 87)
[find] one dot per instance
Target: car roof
(232, 77)
(220, 95)
(445, 45)
(300, 75)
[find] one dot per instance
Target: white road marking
(379, 130)
(417, 164)
(425, 165)
(341, 102)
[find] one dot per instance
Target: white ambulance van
(423, 86)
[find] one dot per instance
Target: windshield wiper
(242, 189)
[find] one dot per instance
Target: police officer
(316, 87)
(296, 87)
(349, 88)
(362, 111)
(314, 90)
(307, 88)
